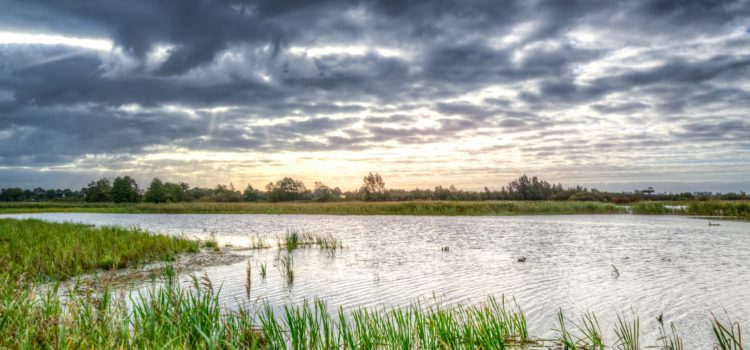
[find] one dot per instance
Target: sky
(616, 95)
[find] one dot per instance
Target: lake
(676, 266)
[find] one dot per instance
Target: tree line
(124, 189)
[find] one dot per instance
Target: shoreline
(714, 209)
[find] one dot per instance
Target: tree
(286, 189)
(323, 193)
(97, 191)
(176, 192)
(125, 190)
(250, 194)
(373, 187)
(156, 192)
(224, 193)
(11, 194)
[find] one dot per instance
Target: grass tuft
(57, 251)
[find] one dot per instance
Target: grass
(299, 239)
(258, 241)
(211, 243)
(468, 208)
(35, 314)
(174, 316)
(590, 337)
(738, 209)
(628, 334)
(56, 251)
(728, 337)
(734, 209)
(670, 340)
(287, 267)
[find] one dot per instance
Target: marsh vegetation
(34, 306)
(734, 209)
(52, 251)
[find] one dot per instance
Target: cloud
(558, 87)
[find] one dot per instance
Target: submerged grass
(170, 315)
(300, 239)
(258, 241)
(590, 333)
(54, 251)
(287, 267)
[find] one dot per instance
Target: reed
(56, 251)
(36, 313)
(287, 267)
(300, 239)
(669, 340)
(177, 316)
(258, 241)
(211, 243)
(737, 209)
(628, 334)
(248, 279)
(449, 208)
(589, 333)
(728, 336)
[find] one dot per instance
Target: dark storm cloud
(243, 76)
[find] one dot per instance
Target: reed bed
(258, 241)
(55, 251)
(737, 209)
(172, 316)
(464, 208)
(300, 239)
(35, 313)
(730, 209)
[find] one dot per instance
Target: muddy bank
(133, 276)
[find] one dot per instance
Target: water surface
(677, 266)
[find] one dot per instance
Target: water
(677, 266)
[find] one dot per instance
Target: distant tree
(286, 189)
(14, 194)
(156, 192)
(250, 194)
(224, 193)
(323, 193)
(199, 194)
(526, 188)
(176, 192)
(98, 191)
(373, 187)
(125, 190)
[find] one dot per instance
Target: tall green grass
(740, 209)
(331, 208)
(734, 209)
(169, 315)
(299, 239)
(55, 251)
